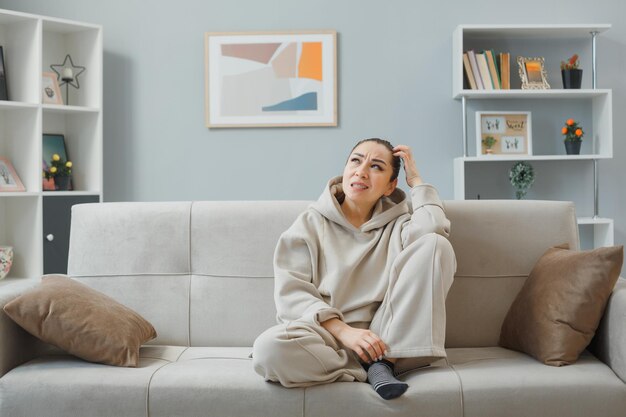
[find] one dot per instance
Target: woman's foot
(380, 376)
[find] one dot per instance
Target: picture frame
(4, 91)
(511, 130)
(50, 90)
(53, 143)
(270, 79)
(532, 73)
(9, 180)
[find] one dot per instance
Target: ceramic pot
(572, 78)
(572, 148)
(61, 183)
(6, 260)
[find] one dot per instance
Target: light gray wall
(394, 71)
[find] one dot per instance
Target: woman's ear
(391, 187)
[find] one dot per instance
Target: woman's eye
(377, 166)
(354, 160)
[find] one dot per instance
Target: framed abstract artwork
(269, 79)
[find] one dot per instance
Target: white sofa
(201, 273)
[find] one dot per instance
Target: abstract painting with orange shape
(270, 79)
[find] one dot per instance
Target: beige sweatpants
(411, 321)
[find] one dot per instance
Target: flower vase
(6, 260)
(62, 183)
(572, 78)
(572, 148)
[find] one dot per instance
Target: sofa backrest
(202, 272)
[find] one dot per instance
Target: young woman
(361, 279)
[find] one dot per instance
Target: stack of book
(487, 71)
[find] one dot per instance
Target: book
(493, 68)
(472, 58)
(468, 71)
(505, 70)
(483, 68)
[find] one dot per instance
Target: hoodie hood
(387, 208)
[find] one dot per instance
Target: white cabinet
(31, 44)
(485, 176)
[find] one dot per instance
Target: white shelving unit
(31, 44)
(590, 103)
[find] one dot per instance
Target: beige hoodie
(325, 267)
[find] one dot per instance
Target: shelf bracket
(594, 84)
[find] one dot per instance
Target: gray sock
(380, 376)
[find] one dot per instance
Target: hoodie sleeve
(295, 261)
(428, 215)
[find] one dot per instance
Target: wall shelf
(593, 105)
(31, 44)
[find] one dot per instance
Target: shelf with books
(523, 40)
(549, 107)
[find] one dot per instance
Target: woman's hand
(364, 342)
(412, 174)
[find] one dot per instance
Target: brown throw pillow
(81, 321)
(557, 311)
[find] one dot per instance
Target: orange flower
(570, 122)
(579, 132)
(564, 131)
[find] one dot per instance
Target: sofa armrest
(609, 343)
(16, 345)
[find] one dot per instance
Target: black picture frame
(53, 143)
(4, 91)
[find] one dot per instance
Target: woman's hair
(395, 160)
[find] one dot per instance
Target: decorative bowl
(6, 260)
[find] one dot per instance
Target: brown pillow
(81, 321)
(557, 311)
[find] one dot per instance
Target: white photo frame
(511, 131)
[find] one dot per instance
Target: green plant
(489, 141)
(522, 177)
(572, 132)
(58, 168)
(571, 63)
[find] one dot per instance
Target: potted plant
(573, 137)
(522, 177)
(61, 172)
(489, 141)
(570, 73)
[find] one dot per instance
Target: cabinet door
(56, 230)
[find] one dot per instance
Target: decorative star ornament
(60, 70)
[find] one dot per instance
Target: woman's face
(367, 173)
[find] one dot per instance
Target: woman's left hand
(412, 174)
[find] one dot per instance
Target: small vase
(572, 148)
(572, 78)
(489, 151)
(6, 260)
(61, 183)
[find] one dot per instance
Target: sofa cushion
(219, 382)
(557, 311)
(433, 391)
(81, 321)
(500, 382)
(61, 386)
